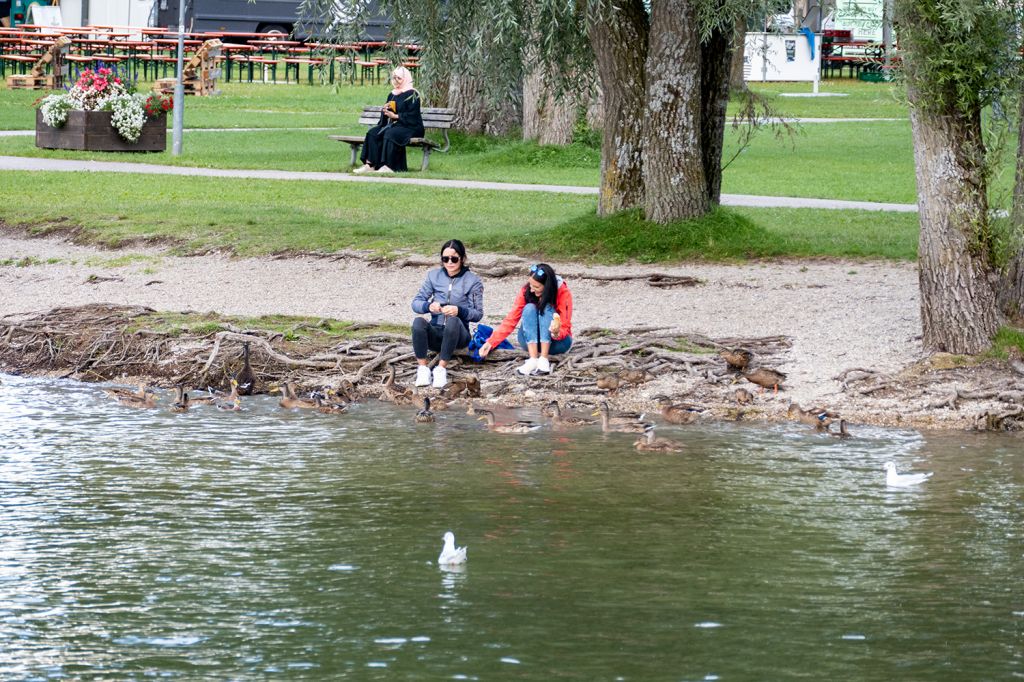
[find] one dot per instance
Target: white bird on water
(897, 480)
(451, 555)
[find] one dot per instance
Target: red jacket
(563, 306)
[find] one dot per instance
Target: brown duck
(521, 426)
(608, 425)
(554, 411)
(246, 378)
(181, 401)
(425, 416)
(765, 378)
(816, 416)
(736, 359)
(396, 393)
(743, 396)
(291, 401)
(649, 443)
(678, 413)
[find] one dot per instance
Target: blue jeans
(536, 328)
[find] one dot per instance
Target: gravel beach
(838, 315)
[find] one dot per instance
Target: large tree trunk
(546, 118)
(958, 303)
(480, 112)
(739, 36)
(620, 44)
(716, 62)
(1011, 288)
(673, 167)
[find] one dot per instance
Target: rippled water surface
(277, 544)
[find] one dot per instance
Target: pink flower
(104, 72)
(100, 84)
(117, 80)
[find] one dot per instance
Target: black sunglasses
(450, 259)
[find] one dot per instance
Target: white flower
(129, 115)
(55, 110)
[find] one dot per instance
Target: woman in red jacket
(544, 305)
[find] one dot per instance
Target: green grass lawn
(251, 217)
(855, 160)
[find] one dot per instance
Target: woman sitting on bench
(400, 121)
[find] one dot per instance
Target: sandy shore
(838, 314)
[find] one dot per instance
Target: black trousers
(387, 148)
(445, 340)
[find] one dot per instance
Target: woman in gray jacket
(454, 297)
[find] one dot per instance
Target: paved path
(19, 163)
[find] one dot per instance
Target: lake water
(274, 544)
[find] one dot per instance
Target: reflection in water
(221, 545)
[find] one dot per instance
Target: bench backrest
(433, 117)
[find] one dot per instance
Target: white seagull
(896, 480)
(451, 555)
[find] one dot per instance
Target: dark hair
(545, 274)
(459, 249)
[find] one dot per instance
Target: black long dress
(385, 142)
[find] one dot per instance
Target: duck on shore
(736, 359)
(765, 378)
(678, 413)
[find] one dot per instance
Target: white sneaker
(384, 170)
(422, 375)
(365, 168)
(543, 366)
(528, 367)
(440, 377)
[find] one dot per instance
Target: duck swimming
(521, 426)
(554, 410)
(649, 443)
(246, 378)
(425, 416)
(291, 401)
(608, 425)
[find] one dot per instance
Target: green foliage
(1008, 342)
(960, 55)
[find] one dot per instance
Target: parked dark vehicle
(264, 16)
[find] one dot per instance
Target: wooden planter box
(91, 131)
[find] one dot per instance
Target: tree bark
(675, 187)
(546, 118)
(1011, 286)
(739, 36)
(716, 63)
(620, 45)
(479, 112)
(958, 302)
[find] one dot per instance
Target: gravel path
(838, 314)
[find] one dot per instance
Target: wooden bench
(433, 119)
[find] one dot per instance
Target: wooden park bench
(433, 119)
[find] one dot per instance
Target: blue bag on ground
(483, 332)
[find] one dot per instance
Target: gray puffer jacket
(464, 290)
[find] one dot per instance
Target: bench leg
(355, 152)
(426, 158)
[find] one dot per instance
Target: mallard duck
(521, 426)
(437, 403)
(233, 406)
(620, 418)
(396, 393)
(146, 402)
(765, 378)
(649, 443)
(246, 378)
(329, 406)
(609, 423)
(678, 413)
(842, 432)
(554, 410)
(743, 396)
(817, 417)
(736, 359)
(425, 416)
(291, 401)
(181, 401)
(117, 392)
(347, 391)
(610, 383)
(634, 376)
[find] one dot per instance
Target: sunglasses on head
(536, 270)
(450, 259)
